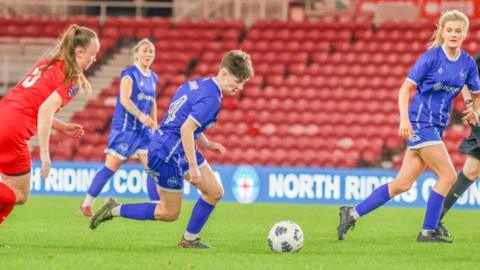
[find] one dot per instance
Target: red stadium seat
(318, 97)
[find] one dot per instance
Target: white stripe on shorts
(424, 144)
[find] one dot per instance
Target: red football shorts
(14, 135)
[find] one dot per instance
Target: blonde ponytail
(75, 36)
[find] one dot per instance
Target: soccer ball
(285, 236)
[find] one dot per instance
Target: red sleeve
(55, 75)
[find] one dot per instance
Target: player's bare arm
(472, 102)
(405, 129)
(73, 130)
(125, 98)
(188, 143)
(209, 145)
(153, 115)
(45, 120)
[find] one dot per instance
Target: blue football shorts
(425, 136)
(125, 144)
(169, 175)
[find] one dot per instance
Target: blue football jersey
(198, 99)
(143, 95)
(439, 80)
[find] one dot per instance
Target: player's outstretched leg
(346, 222)
(104, 214)
(98, 182)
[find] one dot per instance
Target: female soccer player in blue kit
(437, 76)
(172, 155)
(134, 120)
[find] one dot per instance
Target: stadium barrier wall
(248, 184)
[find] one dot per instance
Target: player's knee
(20, 200)
(215, 195)
(219, 194)
(449, 178)
(165, 214)
(171, 216)
(21, 196)
(397, 188)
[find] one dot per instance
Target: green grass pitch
(49, 233)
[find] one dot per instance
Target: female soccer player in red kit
(29, 108)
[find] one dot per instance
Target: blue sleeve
(204, 110)
(419, 70)
(155, 80)
(472, 80)
(127, 73)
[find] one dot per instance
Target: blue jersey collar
(141, 71)
(448, 57)
(218, 85)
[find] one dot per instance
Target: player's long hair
(75, 36)
(451, 15)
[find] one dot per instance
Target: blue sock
(99, 181)
(152, 189)
(200, 213)
(139, 211)
(378, 198)
(434, 210)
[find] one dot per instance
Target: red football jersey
(36, 87)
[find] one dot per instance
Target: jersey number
(174, 107)
(32, 78)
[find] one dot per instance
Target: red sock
(7, 201)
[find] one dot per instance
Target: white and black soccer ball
(285, 236)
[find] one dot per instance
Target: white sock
(425, 232)
(354, 214)
(89, 200)
(190, 236)
(116, 210)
